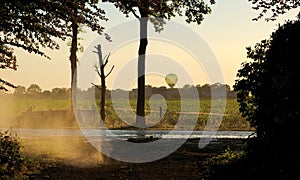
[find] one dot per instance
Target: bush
(10, 157)
(269, 98)
(225, 165)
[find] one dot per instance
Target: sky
(223, 37)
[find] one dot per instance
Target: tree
(269, 98)
(11, 159)
(186, 86)
(101, 73)
(75, 13)
(7, 61)
(34, 90)
(154, 11)
(33, 24)
(59, 93)
(20, 91)
(46, 94)
(277, 7)
(26, 25)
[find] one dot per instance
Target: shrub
(269, 98)
(10, 157)
(224, 165)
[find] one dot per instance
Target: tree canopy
(193, 10)
(269, 98)
(35, 24)
(27, 25)
(273, 8)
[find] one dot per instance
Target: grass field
(119, 111)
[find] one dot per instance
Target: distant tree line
(34, 91)
(204, 91)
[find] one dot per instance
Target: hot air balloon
(171, 79)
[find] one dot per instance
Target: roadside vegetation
(11, 160)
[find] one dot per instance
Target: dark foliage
(158, 11)
(204, 91)
(11, 160)
(273, 8)
(269, 98)
(35, 24)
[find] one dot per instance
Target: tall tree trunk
(140, 107)
(103, 86)
(73, 59)
(102, 104)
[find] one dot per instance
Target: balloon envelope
(171, 79)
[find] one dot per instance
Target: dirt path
(185, 163)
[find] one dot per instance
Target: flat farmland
(160, 114)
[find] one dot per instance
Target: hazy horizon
(166, 86)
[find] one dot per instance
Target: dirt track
(185, 163)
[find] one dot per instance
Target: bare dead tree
(101, 73)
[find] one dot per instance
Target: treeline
(216, 90)
(34, 91)
(188, 91)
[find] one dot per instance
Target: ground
(82, 161)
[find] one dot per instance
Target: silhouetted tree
(7, 61)
(75, 13)
(46, 94)
(186, 86)
(34, 90)
(101, 73)
(275, 7)
(205, 91)
(20, 91)
(156, 11)
(60, 93)
(34, 24)
(270, 100)
(26, 25)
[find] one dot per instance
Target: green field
(118, 112)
